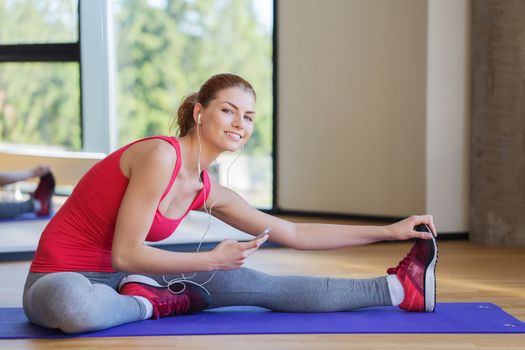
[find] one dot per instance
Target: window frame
(52, 52)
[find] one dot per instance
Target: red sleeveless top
(80, 235)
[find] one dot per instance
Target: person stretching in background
(40, 201)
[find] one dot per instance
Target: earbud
(199, 119)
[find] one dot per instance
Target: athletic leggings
(88, 301)
(10, 209)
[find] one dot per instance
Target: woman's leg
(72, 303)
(292, 293)
(10, 209)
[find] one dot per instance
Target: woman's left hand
(405, 229)
(40, 170)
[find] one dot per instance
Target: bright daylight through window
(167, 48)
(39, 93)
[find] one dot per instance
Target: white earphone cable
(187, 279)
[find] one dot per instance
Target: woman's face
(227, 122)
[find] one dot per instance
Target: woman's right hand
(231, 255)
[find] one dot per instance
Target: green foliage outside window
(39, 102)
(167, 49)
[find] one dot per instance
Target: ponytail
(184, 120)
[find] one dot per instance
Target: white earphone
(199, 119)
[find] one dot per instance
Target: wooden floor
(465, 272)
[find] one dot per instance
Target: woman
(40, 201)
(92, 270)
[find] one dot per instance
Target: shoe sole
(430, 272)
(151, 282)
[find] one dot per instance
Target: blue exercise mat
(27, 217)
(448, 318)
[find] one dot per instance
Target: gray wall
(498, 123)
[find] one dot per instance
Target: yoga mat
(448, 318)
(27, 217)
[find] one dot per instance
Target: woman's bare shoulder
(156, 153)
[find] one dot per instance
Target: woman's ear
(197, 113)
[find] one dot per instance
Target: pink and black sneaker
(417, 273)
(166, 302)
(44, 193)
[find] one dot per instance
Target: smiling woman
(92, 259)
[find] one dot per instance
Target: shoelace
(173, 305)
(405, 260)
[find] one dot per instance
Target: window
(40, 73)
(167, 49)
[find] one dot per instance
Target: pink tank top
(79, 237)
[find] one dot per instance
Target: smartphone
(262, 234)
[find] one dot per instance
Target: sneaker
(44, 193)
(417, 273)
(166, 302)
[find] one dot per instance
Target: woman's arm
(327, 236)
(10, 177)
(149, 171)
(234, 210)
(149, 168)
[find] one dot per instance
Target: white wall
(351, 121)
(447, 156)
(373, 108)
(98, 66)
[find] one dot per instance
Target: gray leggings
(82, 302)
(10, 209)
